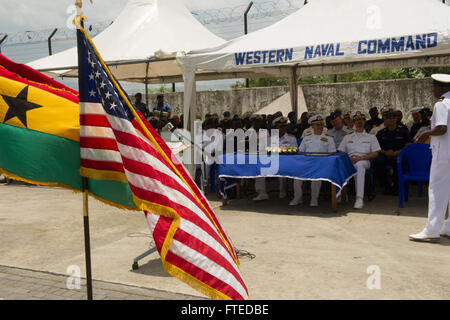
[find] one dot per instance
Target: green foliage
(262, 82)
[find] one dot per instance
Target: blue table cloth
(336, 168)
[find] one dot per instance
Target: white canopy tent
(330, 37)
(141, 44)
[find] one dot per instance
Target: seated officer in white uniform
(438, 193)
(361, 148)
(316, 142)
(285, 140)
(309, 131)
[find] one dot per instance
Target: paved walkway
(24, 284)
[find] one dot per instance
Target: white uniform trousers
(260, 185)
(315, 189)
(438, 199)
(361, 167)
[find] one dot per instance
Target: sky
(23, 15)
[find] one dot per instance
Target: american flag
(117, 143)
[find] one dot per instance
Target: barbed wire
(259, 10)
(231, 17)
(62, 33)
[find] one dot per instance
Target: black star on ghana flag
(18, 106)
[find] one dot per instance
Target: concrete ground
(296, 252)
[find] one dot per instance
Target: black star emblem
(18, 106)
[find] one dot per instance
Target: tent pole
(146, 92)
(247, 81)
(189, 115)
(146, 85)
(192, 117)
(293, 90)
(87, 242)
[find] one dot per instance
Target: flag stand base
(135, 264)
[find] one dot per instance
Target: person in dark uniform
(142, 107)
(374, 120)
(400, 121)
(392, 140)
(302, 124)
(294, 126)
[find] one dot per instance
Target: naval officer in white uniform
(361, 148)
(438, 193)
(315, 142)
(285, 140)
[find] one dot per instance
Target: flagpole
(87, 241)
(87, 238)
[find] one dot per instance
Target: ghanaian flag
(40, 134)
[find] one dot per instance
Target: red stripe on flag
(95, 120)
(102, 165)
(161, 229)
(98, 143)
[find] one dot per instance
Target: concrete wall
(402, 94)
(236, 101)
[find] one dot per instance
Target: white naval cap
(280, 120)
(316, 119)
(441, 77)
(416, 110)
(358, 114)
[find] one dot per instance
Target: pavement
(24, 284)
(287, 253)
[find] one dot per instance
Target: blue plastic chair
(414, 163)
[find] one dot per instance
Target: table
(335, 168)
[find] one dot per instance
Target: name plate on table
(318, 154)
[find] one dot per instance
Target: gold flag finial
(79, 3)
